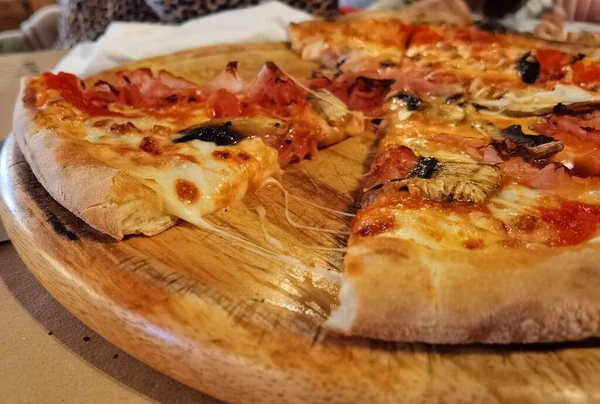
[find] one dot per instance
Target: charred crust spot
(288, 141)
(29, 97)
(276, 125)
(187, 192)
(473, 244)
(150, 145)
(221, 154)
(376, 226)
(450, 197)
(244, 156)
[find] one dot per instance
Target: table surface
(46, 354)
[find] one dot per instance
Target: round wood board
(243, 328)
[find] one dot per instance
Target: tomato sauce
(552, 62)
(572, 223)
(586, 74)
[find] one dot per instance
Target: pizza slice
(132, 154)
(471, 231)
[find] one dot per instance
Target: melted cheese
(441, 230)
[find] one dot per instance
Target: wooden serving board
(244, 328)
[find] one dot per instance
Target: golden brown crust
(107, 199)
(398, 290)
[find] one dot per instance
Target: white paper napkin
(126, 41)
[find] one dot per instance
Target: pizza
(479, 215)
(132, 156)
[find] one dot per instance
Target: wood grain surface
(243, 328)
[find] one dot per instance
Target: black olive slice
(222, 135)
(529, 68)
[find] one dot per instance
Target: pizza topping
(461, 182)
(572, 223)
(127, 128)
(581, 134)
(301, 141)
(140, 89)
(512, 141)
(223, 104)
(228, 80)
(426, 168)
(277, 93)
(552, 62)
(333, 110)
(393, 161)
(222, 134)
(538, 102)
(187, 192)
(150, 145)
(412, 103)
(69, 87)
(529, 68)
(586, 73)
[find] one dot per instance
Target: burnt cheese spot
(526, 223)
(244, 156)
(186, 191)
(376, 226)
(150, 145)
(101, 123)
(124, 128)
(473, 244)
(221, 154)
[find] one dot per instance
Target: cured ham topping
(367, 91)
(276, 92)
(580, 133)
(391, 162)
(70, 88)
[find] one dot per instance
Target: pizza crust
(397, 290)
(108, 199)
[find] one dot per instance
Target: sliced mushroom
(535, 102)
(512, 141)
(460, 182)
(336, 114)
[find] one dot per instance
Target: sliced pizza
(133, 155)
(473, 231)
